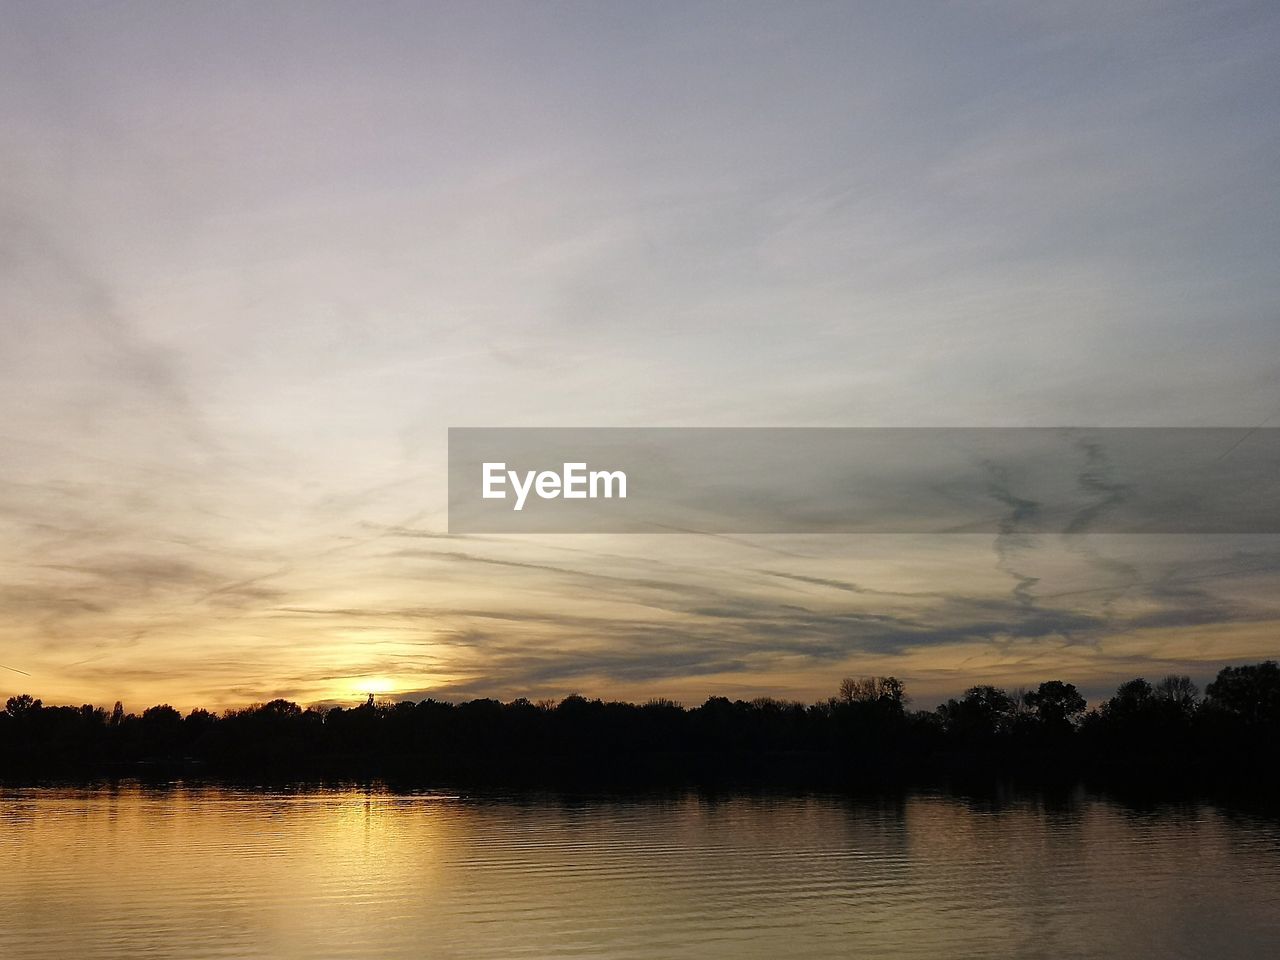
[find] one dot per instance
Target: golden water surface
(202, 872)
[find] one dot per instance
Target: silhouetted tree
(886, 690)
(162, 715)
(1179, 693)
(21, 706)
(1132, 699)
(981, 713)
(1162, 733)
(1056, 705)
(1249, 693)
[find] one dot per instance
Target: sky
(255, 260)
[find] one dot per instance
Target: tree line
(1164, 732)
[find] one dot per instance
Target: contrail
(15, 669)
(1248, 433)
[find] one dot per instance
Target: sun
(375, 685)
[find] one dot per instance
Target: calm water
(199, 872)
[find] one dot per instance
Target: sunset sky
(255, 260)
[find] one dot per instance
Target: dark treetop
(1163, 735)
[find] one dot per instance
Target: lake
(196, 872)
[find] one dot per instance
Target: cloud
(253, 265)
